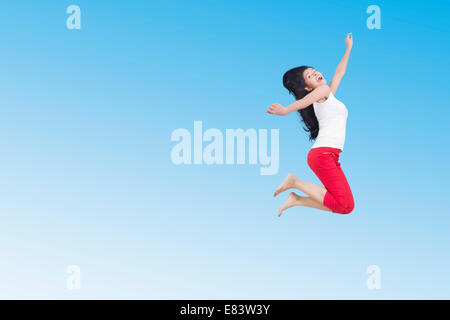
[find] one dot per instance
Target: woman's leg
(324, 162)
(296, 200)
(316, 192)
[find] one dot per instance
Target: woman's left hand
(349, 40)
(277, 109)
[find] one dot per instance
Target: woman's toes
(288, 183)
(291, 201)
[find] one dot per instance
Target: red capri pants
(324, 161)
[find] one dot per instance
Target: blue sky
(86, 177)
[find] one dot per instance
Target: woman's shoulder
(327, 93)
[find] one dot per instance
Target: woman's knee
(346, 206)
(348, 209)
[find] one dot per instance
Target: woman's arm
(340, 70)
(314, 96)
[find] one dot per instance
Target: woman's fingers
(274, 108)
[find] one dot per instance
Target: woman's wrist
(292, 107)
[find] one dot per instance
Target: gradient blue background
(86, 176)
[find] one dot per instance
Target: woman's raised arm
(340, 70)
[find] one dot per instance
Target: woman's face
(313, 79)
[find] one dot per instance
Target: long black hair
(294, 82)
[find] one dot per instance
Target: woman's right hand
(277, 109)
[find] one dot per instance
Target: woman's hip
(323, 158)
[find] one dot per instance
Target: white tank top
(332, 116)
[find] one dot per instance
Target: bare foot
(288, 183)
(292, 200)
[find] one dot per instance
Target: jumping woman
(325, 119)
